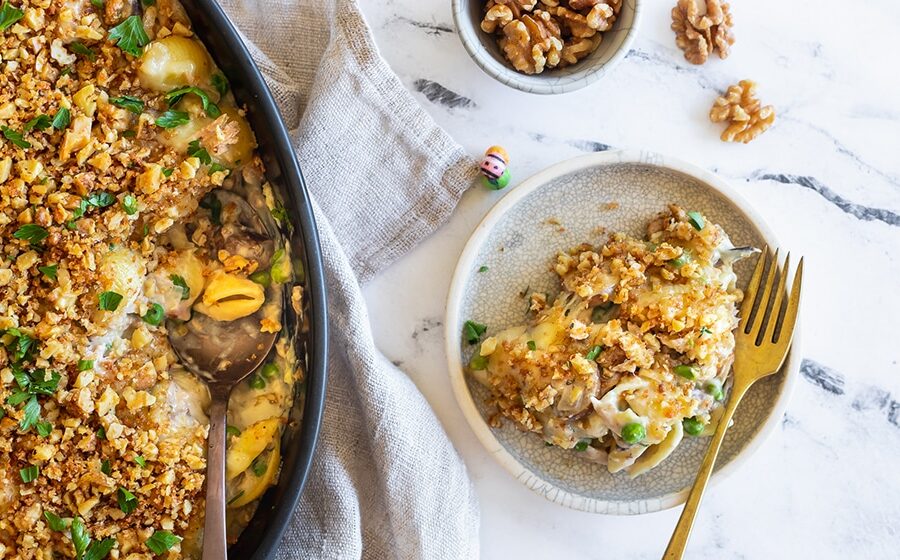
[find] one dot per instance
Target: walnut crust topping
(536, 36)
(745, 115)
(84, 188)
(701, 28)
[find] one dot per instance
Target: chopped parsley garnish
(31, 233)
(199, 152)
(101, 433)
(279, 213)
(98, 3)
(155, 315)
(220, 83)
(478, 362)
(232, 431)
(130, 35)
(215, 167)
(49, 271)
(44, 428)
(140, 461)
(532, 345)
(128, 133)
(148, 3)
(594, 352)
(61, 120)
(582, 445)
(79, 48)
(29, 473)
(15, 137)
(259, 466)
(105, 467)
(127, 501)
(696, 220)
(212, 203)
(9, 15)
(55, 522)
(704, 330)
(179, 281)
(85, 365)
(39, 122)
(167, 172)
(482, 268)
(84, 548)
(80, 537)
(99, 550)
(129, 102)
(109, 301)
(100, 199)
(171, 119)
(31, 413)
(162, 541)
(176, 95)
(472, 331)
(129, 204)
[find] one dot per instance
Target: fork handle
(679, 540)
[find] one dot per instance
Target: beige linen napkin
(386, 481)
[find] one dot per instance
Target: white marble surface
(827, 177)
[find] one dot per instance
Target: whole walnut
(702, 28)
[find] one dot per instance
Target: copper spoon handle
(214, 540)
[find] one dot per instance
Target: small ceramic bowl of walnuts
(546, 46)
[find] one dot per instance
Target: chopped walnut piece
(496, 17)
(746, 118)
(532, 42)
(702, 28)
(576, 49)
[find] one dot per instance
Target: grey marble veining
(827, 179)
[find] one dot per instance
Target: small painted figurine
(494, 167)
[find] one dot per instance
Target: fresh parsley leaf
(129, 102)
(80, 537)
(175, 96)
(17, 398)
(130, 35)
(582, 445)
(100, 199)
(140, 461)
(127, 501)
(85, 365)
(180, 282)
(101, 433)
(215, 167)
(29, 473)
(99, 550)
(482, 268)
(49, 271)
(15, 137)
(39, 122)
(171, 119)
(220, 83)
(98, 4)
(162, 541)
(105, 467)
(31, 414)
(109, 301)
(129, 204)
(61, 120)
(44, 428)
(128, 133)
(472, 331)
(9, 15)
(259, 466)
(55, 522)
(79, 48)
(594, 352)
(31, 233)
(167, 172)
(41, 384)
(532, 345)
(199, 152)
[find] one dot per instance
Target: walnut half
(701, 28)
(745, 115)
(532, 42)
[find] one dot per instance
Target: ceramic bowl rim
(464, 268)
(468, 31)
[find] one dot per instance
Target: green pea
(155, 315)
(686, 371)
(262, 277)
(257, 382)
(231, 431)
(692, 426)
(682, 260)
(714, 388)
(270, 370)
(633, 432)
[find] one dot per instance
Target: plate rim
(452, 337)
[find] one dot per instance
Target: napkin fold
(386, 482)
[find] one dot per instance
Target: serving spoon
(221, 356)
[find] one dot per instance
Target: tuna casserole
(634, 352)
(131, 202)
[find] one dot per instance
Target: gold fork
(762, 342)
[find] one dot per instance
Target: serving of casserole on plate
(589, 330)
(133, 203)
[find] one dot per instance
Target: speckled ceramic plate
(518, 240)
